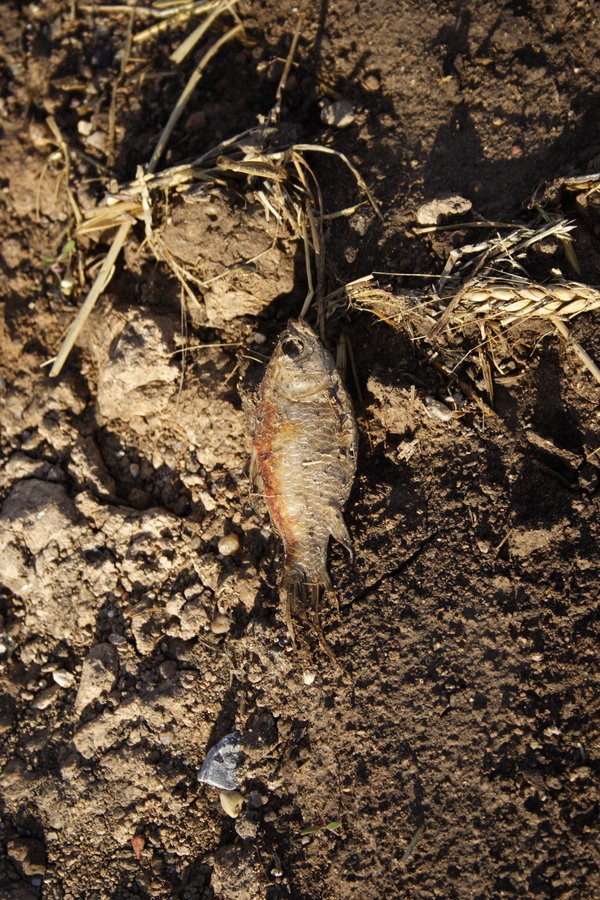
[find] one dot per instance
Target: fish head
(303, 363)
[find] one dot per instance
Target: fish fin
(256, 480)
(339, 530)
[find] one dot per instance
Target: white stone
(232, 803)
(338, 114)
(63, 678)
(229, 544)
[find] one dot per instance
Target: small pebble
(435, 408)
(168, 668)
(63, 678)
(372, 82)
(46, 697)
(138, 842)
(231, 803)
(229, 544)
(308, 677)
(246, 829)
(338, 114)
(220, 624)
(255, 799)
(66, 285)
(196, 122)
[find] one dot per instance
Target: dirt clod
(98, 675)
(442, 208)
(29, 854)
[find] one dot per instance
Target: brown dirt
(456, 745)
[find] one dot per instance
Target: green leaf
(68, 248)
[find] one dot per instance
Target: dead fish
(304, 457)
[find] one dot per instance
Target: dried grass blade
(102, 279)
(250, 167)
(53, 126)
(311, 291)
(329, 151)
(192, 39)
(187, 92)
(583, 355)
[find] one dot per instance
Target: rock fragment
(232, 803)
(338, 114)
(46, 697)
(63, 678)
(441, 208)
(222, 761)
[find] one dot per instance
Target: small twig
(187, 349)
(460, 226)
(290, 57)
(413, 843)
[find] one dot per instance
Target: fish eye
(292, 347)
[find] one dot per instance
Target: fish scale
(304, 456)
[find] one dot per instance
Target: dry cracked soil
(451, 751)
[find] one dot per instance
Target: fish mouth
(298, 328)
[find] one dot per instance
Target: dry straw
(288, 190)
(126, 218)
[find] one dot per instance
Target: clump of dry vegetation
(283, 178)
(482, 301)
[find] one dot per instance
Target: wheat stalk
(485, 300)
(503, 300)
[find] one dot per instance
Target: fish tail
(300, 588)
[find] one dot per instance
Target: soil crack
(370, 588)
